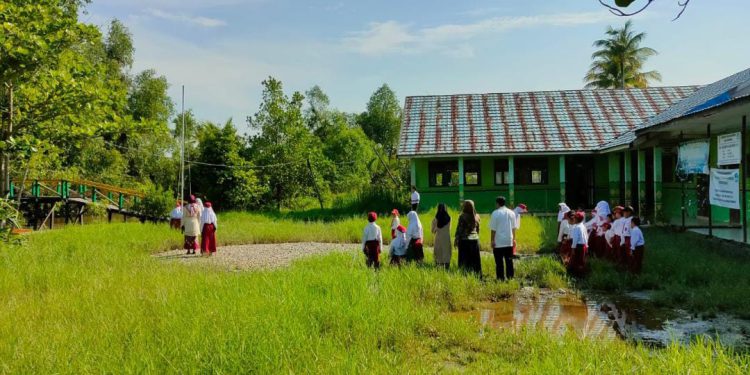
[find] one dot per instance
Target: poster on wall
(729, 149)
(724, 190)
(693, 158)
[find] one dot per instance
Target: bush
(157, 203)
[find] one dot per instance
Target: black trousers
(468, 256)
(504, 255)
(414, 207)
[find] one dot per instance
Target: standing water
(631, 319)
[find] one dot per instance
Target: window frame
(475, 166)
(524, 169)
(502, 166)
(443, 168)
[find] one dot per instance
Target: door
(579, 182)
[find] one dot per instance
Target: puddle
(631, 318)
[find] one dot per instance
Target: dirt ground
(247, 257)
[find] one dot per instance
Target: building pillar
(511, 181)
(613, 170)
(562, 178)
(460, 180)
(657, 183)
(641, 182)
(628, 187)
(413, 172)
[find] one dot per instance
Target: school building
(576, 146)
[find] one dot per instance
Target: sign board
(724, 190)
(730, 149)
(693, 158)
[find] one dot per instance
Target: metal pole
(182, 150)
(710, 218)
(6, 157)
(682, 180)
(743, 165)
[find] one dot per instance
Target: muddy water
(632, 319)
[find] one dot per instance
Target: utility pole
(8, 135)
(182, 151)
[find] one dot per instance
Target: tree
(285, 145)
(619, 61)
(148, 99)
(317, 113)
(222, 175)
(382, 120)
(118, 48)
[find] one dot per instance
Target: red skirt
(577, 265)
(625, 253)
(614, 246)
(191, 243)
(565, 252)
(208, 239)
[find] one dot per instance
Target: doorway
(579, 181)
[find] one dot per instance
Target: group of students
(196, 219)
(407, 242)
(613, 235)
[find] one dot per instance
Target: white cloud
(182, 17)
(393, 37)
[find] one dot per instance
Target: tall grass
(686, 270)
(239, 227)
(93, 300)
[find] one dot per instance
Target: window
(531, 171)
(668, 168)
(502, 176)
(472, 172)
(443, 173)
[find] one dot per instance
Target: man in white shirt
(414, 198)
(503, 233)
(372, 241)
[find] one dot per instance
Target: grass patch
(686, 270)
(92, 299)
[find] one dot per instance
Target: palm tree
(619, 60)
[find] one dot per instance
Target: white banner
(725, 188)
(693, 158)
(729, 150)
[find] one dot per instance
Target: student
(467, 239)
(625, 240)
(520, 209)
(562, 219)
(614, 243)
(191, 225)
(503, 232)
(608, 235)
(414, 236)
(566, 252)
(579, 245)
(637, 246)
(175, 217)
(414, 198)
(208, 232)
(598, 243)
(395, 222)
(441, 231)
(372, 241)
(398, 246)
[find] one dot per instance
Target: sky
(221, 50)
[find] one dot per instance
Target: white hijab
(602, 209)
(564, 209)
(208, 217)
(415, 226)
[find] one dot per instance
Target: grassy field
(241, 228)
(686, 270)
(92, 300)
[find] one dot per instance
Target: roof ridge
(556, 91)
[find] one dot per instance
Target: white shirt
(176, 213)
(609, 234)
(414, 197)
(517, 211)
(617, 227)
(579, 235)
(395, 222)
(372, 233)
(636, 238)
(503, 222)
(625, 229)
(398, 245)
(564, 230)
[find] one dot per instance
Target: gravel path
(245, 257)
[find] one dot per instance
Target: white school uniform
(563, 231)
(503, 222)
(372, 233)
(579, 235)
(399, 244)
(625, 229)
(636, 238)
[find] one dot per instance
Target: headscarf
(192, 207)
(199, 202)
(602, 209)
(564, 209)
(208, 216)
(442, 216)
(395, 212)
(469, 213)
(415, 226)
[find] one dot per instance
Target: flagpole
(182, 150)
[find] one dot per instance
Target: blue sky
(221, 50)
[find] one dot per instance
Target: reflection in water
(631, 319)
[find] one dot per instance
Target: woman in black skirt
(467, 239)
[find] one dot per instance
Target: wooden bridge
(39, 199)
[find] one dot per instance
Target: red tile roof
(545, 121)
